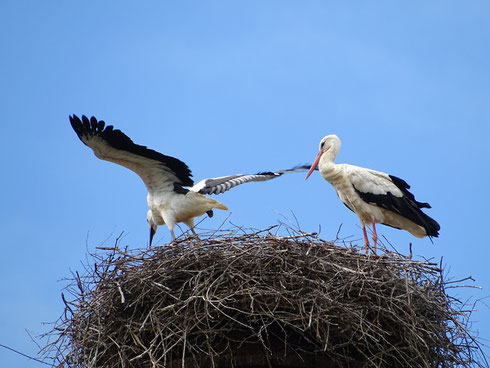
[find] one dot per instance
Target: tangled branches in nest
(261, 300)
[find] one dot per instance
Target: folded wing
(392, 193)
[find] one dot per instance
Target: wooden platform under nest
(256, 299)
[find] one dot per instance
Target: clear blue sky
(235, 87)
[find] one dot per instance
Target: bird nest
(256, 299)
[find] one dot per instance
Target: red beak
(315, 164)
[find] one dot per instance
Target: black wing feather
(225, 183)
(405, 206)
(118, 140)
(403, 186)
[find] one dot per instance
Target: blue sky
(235, 87)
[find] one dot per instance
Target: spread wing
(158, 171)
(223, 183)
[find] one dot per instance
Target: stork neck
(327, 164)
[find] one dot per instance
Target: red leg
(375, 236)
(366, 241)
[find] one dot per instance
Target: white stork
(374, 196)
(165, 177)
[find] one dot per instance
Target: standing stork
(374, 196)
(165, 177)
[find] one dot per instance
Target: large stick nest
(261, 300)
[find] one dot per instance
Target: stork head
(151, 224)
(330, 144)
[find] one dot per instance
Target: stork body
(173, 207)
(374, 196)
(165, 177)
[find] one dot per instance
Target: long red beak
(315, 164)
